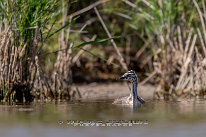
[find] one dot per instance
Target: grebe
(133, 99)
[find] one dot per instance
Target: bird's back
(124, 100)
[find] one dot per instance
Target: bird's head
(130, 76)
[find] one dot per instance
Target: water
(156, 118)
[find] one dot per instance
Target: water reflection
(186, 110)
(160, 116)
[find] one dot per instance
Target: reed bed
(178, 44)
(164, 40)
(180, 68)
(23, 24)
(179, 60)
(25, 28)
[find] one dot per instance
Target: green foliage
(25, 16)
(163, 14)
(80, 46)
(96, 41)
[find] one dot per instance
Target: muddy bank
(112, 90)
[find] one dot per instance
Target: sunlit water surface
(156, 118)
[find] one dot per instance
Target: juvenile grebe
(133, 98)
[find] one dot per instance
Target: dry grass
(181, 66)
(16, 72)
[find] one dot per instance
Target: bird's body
(124, 100)
(133, 98)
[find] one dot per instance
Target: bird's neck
(135, 96)
(134, 90)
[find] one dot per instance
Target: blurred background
(60, 60)
(48, 46)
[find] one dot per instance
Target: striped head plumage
(130, 76)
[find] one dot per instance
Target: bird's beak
(122, 77)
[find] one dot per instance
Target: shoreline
(112, 90)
